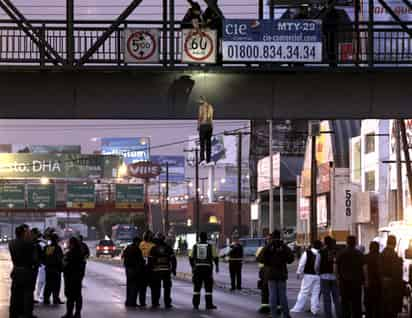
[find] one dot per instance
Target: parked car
(106, 248)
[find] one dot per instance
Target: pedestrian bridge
(69, 69)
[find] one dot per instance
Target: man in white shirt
(308, 267)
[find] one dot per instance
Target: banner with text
(58, 166)
(272, 41)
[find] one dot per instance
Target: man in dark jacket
(349, 264)
(328, 283)
(392, 281)
(73, 268)
(53, 261)
(23, 256)
(275, 257)
(235, 264)
(134, 265)
(193, 16)
(373, 282)
(162, 263)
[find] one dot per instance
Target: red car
(106, 248)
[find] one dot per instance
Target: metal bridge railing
(359, 45)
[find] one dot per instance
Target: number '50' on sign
(199, 47)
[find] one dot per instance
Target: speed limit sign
(199, 46)
(141, 46)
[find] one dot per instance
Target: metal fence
(362, 44)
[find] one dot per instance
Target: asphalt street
(104, 289)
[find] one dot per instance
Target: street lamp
(44, 180)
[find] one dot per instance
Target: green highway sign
(12, 196)
(129, 196)
(23, 165)
(80, 195)
(41, 196)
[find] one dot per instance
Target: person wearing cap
(205, 127)
(202, 257)
(275, 257)
(162, 263)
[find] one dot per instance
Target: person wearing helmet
(162, 263)
(146, 246)
(201, 258)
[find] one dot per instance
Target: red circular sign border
(193, 57)
(151, 53)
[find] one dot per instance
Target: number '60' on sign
(199, 47)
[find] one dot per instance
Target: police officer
(235, 264)
(23, 256)
(201, 258)
(39, 247)
(146, 246)
(134, 265)
(53, 260)
(262, 283)
(162, 263)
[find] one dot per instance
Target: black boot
(196, 301)
(209, 302)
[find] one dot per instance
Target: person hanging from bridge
(205, 127)
(162, 263)
(202, 257)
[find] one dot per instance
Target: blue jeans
(329, 290)
(277, 296)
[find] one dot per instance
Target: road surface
(104, 289)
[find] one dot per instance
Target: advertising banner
(199, 47)
(12, 196)
(264, 172)
(129, 196)
(41, 196)
(176, 167)
(132, 149)
(46, 149)
(141, 46)
(58, 166)
(322, 210)
(80, 195)
(272, 41)
(224, 150)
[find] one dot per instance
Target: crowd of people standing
(38, 265)
(343, 277)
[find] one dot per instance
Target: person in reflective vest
(162, 263)
(201, 258)
(235, 265)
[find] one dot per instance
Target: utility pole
(197, 201)
(166, 226)
(271, 216)
(239, 135)
(314, 131)
(407, 156)
(399, 192)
